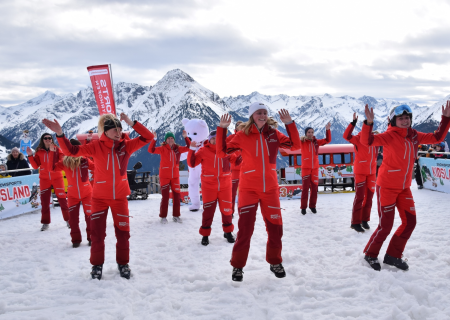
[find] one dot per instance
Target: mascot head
(196, 129)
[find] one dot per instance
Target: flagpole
(112, 84)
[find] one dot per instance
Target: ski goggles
(212, 134)
(398, 111)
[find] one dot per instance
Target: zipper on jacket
(267, 146)
(76, 177)
(118, 162)
(407, 169)
(107, 163)
(256, 148)
(218, 171)
(48, 160)
(262, 157)
(312, 152)
(114, 174)
(173, 162)
(371, 159)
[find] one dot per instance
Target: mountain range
(177, 95)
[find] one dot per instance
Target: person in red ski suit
(310, 166)
(236, 162)
(45, 158)
(216, 187)
(169, 172)
(365, 170)
(258, 142)
(79, 191)
(400, 146)
(111, 154)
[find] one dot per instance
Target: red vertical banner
(101, 79)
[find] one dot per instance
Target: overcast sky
(387, 49)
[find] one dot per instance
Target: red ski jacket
(78, 180)
(170, 158)
(46, 161)
(400, 147)
(310, 151)
(111, 161)
(259, 151)
(216, 173)
(366, 157)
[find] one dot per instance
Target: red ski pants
(74, 219)
(387, 200)
(46, 194)
(166, 185)
(310, 180)
(362, 205)
(270, 208)
(210, 199)
(119, 210)
(234, 188)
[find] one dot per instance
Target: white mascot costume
(198, 131)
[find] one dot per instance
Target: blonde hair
(245, 126)
(101, 122)
(72, 162)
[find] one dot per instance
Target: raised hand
(29, 151)
(53, 125)
(446, 110)
(52, 147)
(225, 121)
(154, 134)
(328, 126)
(285, 117)
(194, 144)
(355, 117)
(124, 117)
(184, 134)
(369, 114)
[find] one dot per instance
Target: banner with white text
(101, 80)
(435, 174)
(19, 195)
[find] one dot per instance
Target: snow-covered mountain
(177, 95)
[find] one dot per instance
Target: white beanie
(256, 106)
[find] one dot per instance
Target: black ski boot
(237, 274)
(396, 262)
(229, 236)
(373, 262)
(357, 228)
(365, 225)
(45, 227)
(278, 270)
(313, 210)
(303, 211)
(205, 241)
(75, 244)
(96, 272)
(124, 270)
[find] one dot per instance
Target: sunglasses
(47, 138)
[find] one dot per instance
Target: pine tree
(1, 207)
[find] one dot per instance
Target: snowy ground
(174, 277)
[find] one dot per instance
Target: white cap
(256, 106)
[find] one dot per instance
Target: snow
(174, 277)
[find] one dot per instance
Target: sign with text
(435, 174)
(19, 195)
(101, 80)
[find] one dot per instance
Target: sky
(398, 49)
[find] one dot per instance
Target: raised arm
(348, 133)
(145, 136)
(367, 137)
(34, 161)
(91, 165)
(293, 142)
(152, 148)
(224, 147)
(439, 135)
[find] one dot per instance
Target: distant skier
(310, 166)
(46, 157)
(365, 169)
(169, 172)
(258, 142)
(111, 154)
(400, 143)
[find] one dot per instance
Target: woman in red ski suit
(216, 187)
(111, 154)
(400, 146)
(310, 166)
(365, 170)
(79, 191)
(169, 172)
(259, 142)
(46, 156)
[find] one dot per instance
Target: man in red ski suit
(365, 173)
(79, 191)
(400, 146)
(169, 172)
(310, 166)
(46, 156)
(216, 187)
(258, 142)
(111, 154)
